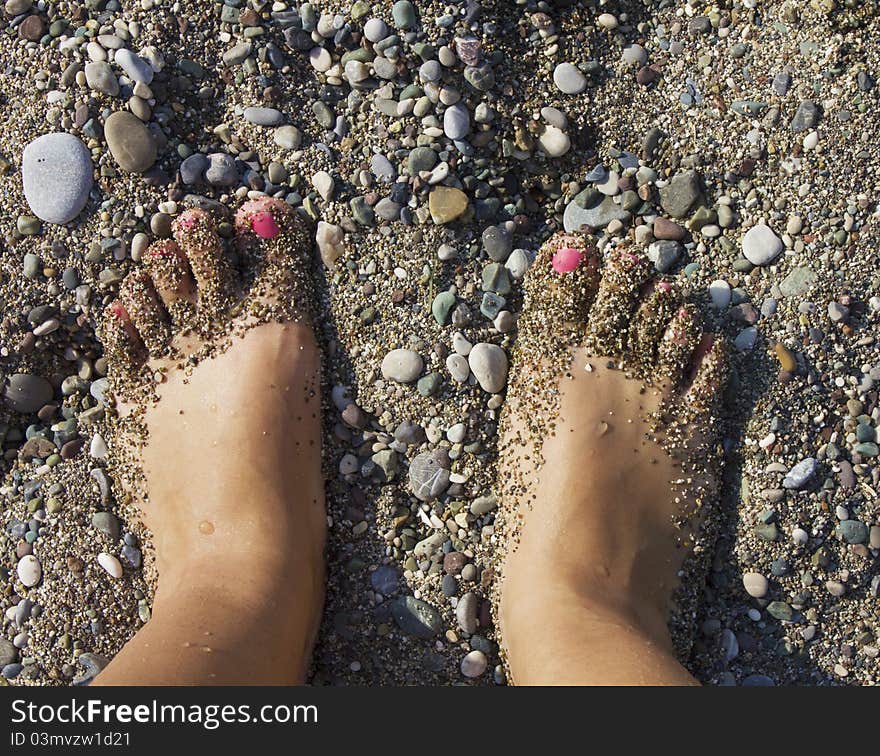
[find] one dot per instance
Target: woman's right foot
(609, 457)
(217, 375)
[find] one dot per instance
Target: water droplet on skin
(206, 528)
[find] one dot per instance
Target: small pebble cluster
(435, 146)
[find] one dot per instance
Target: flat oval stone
(568, 79)
(488, 363)
(100, 78)
(29, 570)
(429, 474)
(263, 116)
(110, 564)
(402, 365)
(756, 584)
(456, 122)
(56, 170)
(130, 142)
(761, 245)
(801, 474)
(474, 664)
(416, 617)
(135, 67)
(27, 393)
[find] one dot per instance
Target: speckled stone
(56, 171)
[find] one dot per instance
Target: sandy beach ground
(435, 145)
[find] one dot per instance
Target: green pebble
(496, 278)
(404, 14)
(428, 384)
(780, 610)
(28, 225)
(767, 531)
(867, 450)
(442, 306)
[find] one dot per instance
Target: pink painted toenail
(567, 259)
(187, 221)
(665, 286)
(264, 225)
(119, 311)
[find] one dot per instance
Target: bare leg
(599, 467)
(229, 476)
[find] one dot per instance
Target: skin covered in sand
(608, 460)
(219, 439)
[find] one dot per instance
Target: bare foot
(218, 380)
(609, 456)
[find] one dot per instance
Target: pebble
(56, 171)
(474, 664)
(760, 245)
(720, 294)
(466, 612)
(568, 79)
(135, 67)
(446, 204)
(801, 474)
(402, 365)
(416, 617)
(130, 142)
(489, 364)
(429, 474)
(456, 122)
(29, 570)
(27, 393)
(263, 116)
(288, 137)
(100, 78)
(756, 584)
(110, 564)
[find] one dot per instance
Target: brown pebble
(454, 562)
(23, 548)
(72, 448)
(667, 229)
(31, 28)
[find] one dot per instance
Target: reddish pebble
(567, 259)
(264, 226)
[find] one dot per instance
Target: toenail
(665, 286)
(567, 259)
(119, 310)
(264, 225)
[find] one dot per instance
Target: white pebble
(29, 570)
(110, 564)
(474, 664)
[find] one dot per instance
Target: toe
(172, 278)
(196, 234)
(275, 245)
(122, 343)
(145, 312)
(624, 277)
(658, 305)
(563, 279)
(680, 339)
(708, 375)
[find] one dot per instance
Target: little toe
(680, 339)
(140, 300)
(708, 376)
(623, 278)
(658, 305)
(196, 234)
(123, 347)
(173, 279)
